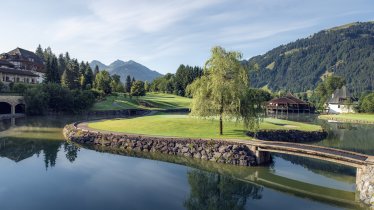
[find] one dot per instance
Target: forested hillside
(346, 51)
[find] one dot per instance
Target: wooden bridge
(362, 162)
(339, 156)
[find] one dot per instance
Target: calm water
(41, 171)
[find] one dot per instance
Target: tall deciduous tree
(137, 88)
(116, 84)
(325, 88)
(222, 90)
(102, 82)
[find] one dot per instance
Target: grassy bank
(150, 101)
(350, 118)
(180, 125)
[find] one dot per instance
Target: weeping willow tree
(223, 91)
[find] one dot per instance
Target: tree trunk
(220, 118)
(220, 125)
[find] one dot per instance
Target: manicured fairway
(363, 118)
(180, 125)
(150, 101)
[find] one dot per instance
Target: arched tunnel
(20, 109)
(5, 108)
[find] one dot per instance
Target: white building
(340, 102)
(20, 65)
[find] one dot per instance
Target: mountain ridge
(131, 67)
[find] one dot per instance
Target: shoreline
(345, 120)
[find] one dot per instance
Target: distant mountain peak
(131, 67)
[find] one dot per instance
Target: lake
(39, 170)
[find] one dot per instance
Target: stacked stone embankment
(212, 150)
(289, 135)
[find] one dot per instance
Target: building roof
(25, 55)
(6, 63)
(340, 96)
(18, 72)
(288, 99)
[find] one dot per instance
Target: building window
(339, 106)
(7, 79)
(17, 79)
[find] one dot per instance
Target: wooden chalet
(288, 104)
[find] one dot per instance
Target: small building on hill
(288, 104)
(341, 101)
(20, 65)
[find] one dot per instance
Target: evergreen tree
(39, 52)
(70, 77)
(67, 57)
(96, 71)
(61, 64)
(52, 74)
(128, 84)
(88, 74)
(82, 68)
(132, 81)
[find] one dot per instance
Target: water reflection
(214, 191)
(20, 149)
(209, 185)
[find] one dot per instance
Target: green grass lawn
(150, 101)
(350, 117)
(181, 125)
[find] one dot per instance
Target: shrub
(36, 101)
(367, 104)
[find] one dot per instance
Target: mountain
(130, 67)
(117, 64)
(97, 63)
(346, 51)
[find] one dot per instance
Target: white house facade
(340, 102)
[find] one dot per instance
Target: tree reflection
(18, 149)
(211, 191)
(71, 151)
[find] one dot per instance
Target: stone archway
(20, 109)
(5, 108)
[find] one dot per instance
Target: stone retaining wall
(212, 150)
(289, 135)
(365, 184)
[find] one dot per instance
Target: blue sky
(162, 34)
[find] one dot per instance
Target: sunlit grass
(180, 125)
(153, 101)
(352, 116)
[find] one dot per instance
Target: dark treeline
(66, 88)
(178, 82)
